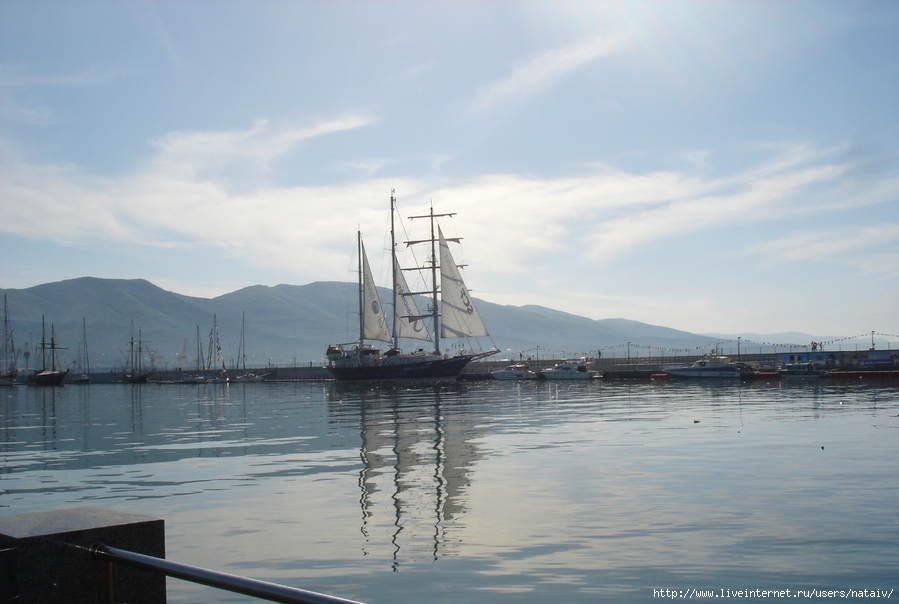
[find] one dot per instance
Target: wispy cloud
(775, 190)
(91, 75)
(148, 15)
(16, 105)
(32, 114)
(545, 70)
(830, 245)
(190, 152)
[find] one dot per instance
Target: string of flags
(693, 350)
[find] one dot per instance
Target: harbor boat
(567, 370)
(712, 366)
(807, 370)
(515, 372)
(49, 375)
(198, 377)
(243, 375)
(215, 350)
(134, 373)
(84, 361)
(8, 368)
(454, 317)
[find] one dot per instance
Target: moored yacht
(568, 370)
(515, 372)
(708, 367)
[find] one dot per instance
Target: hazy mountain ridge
(284, 323)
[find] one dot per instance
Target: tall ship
(49, 373)
(455, 316)
(8, 366)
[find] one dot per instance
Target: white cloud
(544, 70)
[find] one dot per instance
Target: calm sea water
(480, 492)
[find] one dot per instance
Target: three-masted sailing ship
(454, 317)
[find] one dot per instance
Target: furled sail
(374, 321)
(406, 316)
(459, 316)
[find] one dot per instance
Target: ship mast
(361, 294)
(435, 310)
(9, 346)
(53, 346)
(396, 338)
(43, 344)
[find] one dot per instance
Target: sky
(716, 167)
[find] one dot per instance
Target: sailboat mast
(9, 351)
(53, 346)
(361, 295)
(87, 359)
(242, 350)
(435, 310)
(43, 344)
(131, 350)
(396, 339)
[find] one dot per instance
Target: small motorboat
(709, 366)
(568, 370)
(514, 372)
(802, 370)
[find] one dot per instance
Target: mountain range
(284, 324)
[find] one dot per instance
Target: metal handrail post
(234, 583)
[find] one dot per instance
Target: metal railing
(233, 583)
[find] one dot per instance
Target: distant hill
(285, 324)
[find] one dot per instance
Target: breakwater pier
(882, 364)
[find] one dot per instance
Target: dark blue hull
(430, 370)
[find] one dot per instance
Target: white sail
(406, 316)
(459, 317)
(374, 322)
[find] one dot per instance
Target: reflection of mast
(439, 469)
(413, 465)
(364, 476)
(397, 506)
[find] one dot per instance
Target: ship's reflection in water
(417, 451)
